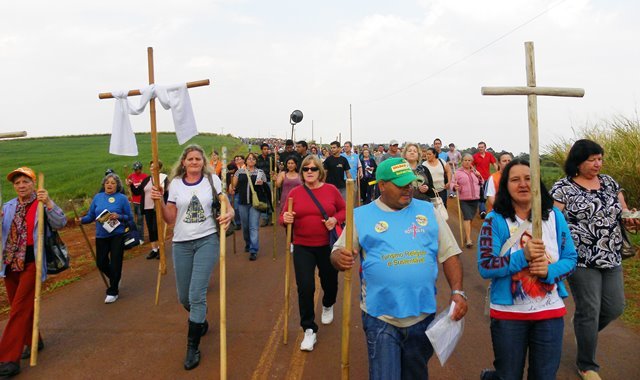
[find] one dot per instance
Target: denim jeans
(511, 341)
(599, 297)
(236, 206)
(137, 211)
(250, 219)
(193, 262)
(397, 353)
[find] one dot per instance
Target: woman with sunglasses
(311, 247)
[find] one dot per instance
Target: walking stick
(38, 290)
(460, 217)
(287, 273)
(86, 238)
(226, 187)
(273, 203)
(346, 295)
(223, 292)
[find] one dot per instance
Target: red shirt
(136, 180)
(308, 228)
(482, 164)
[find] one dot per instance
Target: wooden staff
(86, 239)
(346, 295)
(460, 218)
(9, 135)
(223, 291)
(287, 273)
(38, 290)
(272, 166)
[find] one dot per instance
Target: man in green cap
(400, 241)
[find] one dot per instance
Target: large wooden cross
(162, 267)
(532, 93)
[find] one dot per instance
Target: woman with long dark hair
(287, 180)
(527, 274)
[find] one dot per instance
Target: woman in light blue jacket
(526, 275)
(20, 244)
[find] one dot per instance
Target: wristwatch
(461, 293)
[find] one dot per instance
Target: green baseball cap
(395, 170)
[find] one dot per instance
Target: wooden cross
(162, 268)
(532, 104)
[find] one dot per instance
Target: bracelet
(461, 293)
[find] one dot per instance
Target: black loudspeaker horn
(296, 117)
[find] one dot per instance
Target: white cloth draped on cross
(174, 97)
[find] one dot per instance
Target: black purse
(56, 251)
(216, 210)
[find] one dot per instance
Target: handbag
(334, 234)
(131, 236)
(56, 251)
(216, 210)
(439, 207)
(255, 201)
(628, 250)
(505, 248)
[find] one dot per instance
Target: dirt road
(133, 339)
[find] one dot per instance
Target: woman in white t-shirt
(196, 246)
(440, 175)
(527, 274)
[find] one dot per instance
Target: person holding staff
(527, 278)
(148, 207)
(196, 246)
(111, 212)
(593, 204)
(311, 249)
(288, 180)
(467, 183)
(401, 240)
(19, 242)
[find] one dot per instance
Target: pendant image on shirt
(111, 200)
(195, 212)
(421, 220)
(524, 285)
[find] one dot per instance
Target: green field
(74, 166)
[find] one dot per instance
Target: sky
(407, 70)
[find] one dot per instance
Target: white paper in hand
(444, 333)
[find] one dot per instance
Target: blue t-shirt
(399, 259)
(354, 160)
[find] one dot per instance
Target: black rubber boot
(205, 327)
(192, 359)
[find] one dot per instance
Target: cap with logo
(395, 170)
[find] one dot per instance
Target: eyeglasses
(310, 169)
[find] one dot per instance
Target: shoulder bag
(255, 201)
(55, 250)
(334, 233)
(216, 210)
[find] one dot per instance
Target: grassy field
(74, 166)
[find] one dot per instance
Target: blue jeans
(236, 207)
(193, 262)
(397, 353)
(511, 341)
(137, 210)
(250, 219)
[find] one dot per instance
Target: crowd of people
(400, 238)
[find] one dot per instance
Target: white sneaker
(327, 315)
(309, 340)
(110, 299)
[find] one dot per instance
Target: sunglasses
(310, 169)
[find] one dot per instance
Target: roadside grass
(74, 166)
